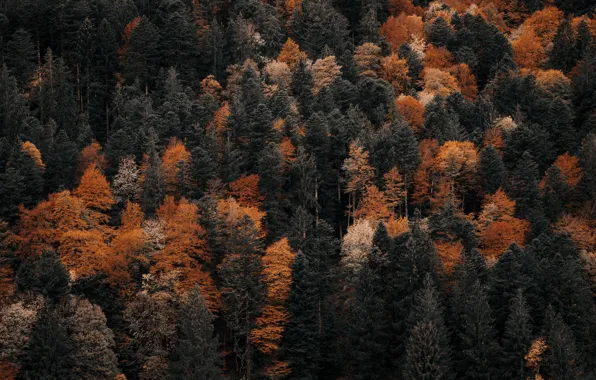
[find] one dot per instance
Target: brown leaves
(412, 110)
(395, 71)
(31, 150)
(570, 168)
(291, 53)
(175, 158)
(402, 29)
(94, 190)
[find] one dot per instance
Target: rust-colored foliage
(438, 58)
(528, 51)
(231, 212)
(184, 234)
(570, 168)
(467, 81)
(277, 270)
(498, 235)
(91, 154)
(581, 231)
(544, 23)
(94, 190)
(395, 190)
(126, 34)
(8, 370)
(423, 186)
(497, 206)
(277, 276)
(412, 110)
(291, 54)
(395, 71)
(180, 261)
(246, 190)
(288, 151)
(374, 205)
(458, 161)
(211, 86)
(450, 254)
(31, 150)
(397, 226)
(401, 29)
(174, 156)
(358, 171)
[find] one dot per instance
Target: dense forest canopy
(297, 189)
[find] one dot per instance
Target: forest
(297, 189)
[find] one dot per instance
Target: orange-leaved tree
(179, 265)
(277, 277)
(31, 150)
(570, 168)
(395, 71)
(374, 205)
(291, 53)
(90, 154)
(175, 165)
(94, 190)
(412, 110)
(246, 190)
(358, 173)
(498, 227)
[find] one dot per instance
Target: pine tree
(367, 327)
(21, 56)
(561, 360)
(93, 342)
(516, 340)
(524, 187)
(141, 54)
(302, 345)
(411, 260)
(563, 54)
(556, 192)
(428, 355)
(476, 337)
(49, 352)
(46, 275)
(271, 181)
(492, 170)
(61, 163)
(196, 353)
(302, 88)
(243, 291)
(153, 187)
(507, 277)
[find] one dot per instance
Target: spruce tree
(93, 342)
(48, 355)
(516, 340)
(492, 170)
(21, 56)
(367, 326)
(46, 275)
(561, 360)
(302, 343)
(475, 335)
(563, 54)
(195, 355)
(428, 353)
(61, 163)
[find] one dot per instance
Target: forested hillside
(297, 189)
